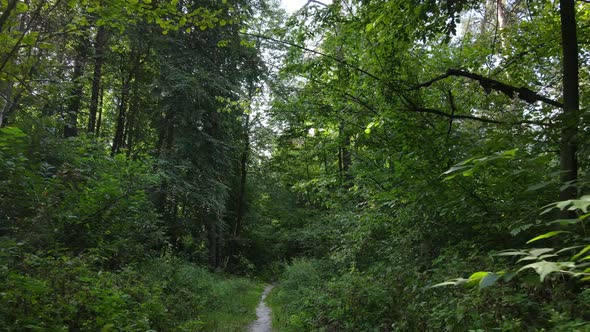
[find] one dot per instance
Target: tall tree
(100, 42)
(571, 100)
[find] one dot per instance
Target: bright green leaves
(532, 254)
(582, 252)
(545, 236)
(469, 166)
(546, 261)
(545, 268)
(373, 124)
(167, 15)
(10, 134)
(481, 279)
(21, 7)
(571, 205)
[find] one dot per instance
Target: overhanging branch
(475, 118)
(412, 107)
(490, 84)
(340, 61)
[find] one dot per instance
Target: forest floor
(263, 321)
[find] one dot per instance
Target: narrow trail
(263, 321)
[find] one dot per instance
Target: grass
(195, 299)
(280, 319)
(236, 305)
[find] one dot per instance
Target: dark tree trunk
(243, 175)
(99, 120)
(6, 13)
(570, 116)
(122, 118)
(214, 237)
(241, 198)
(75, 98)
(99, 45)
(119, 131)
(131, 131)
(7, 103)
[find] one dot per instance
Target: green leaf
(569, 248)
(476, 277)
(545, 236)
(565, 222)
(452, 282)
(540, 251)
(108, 327)
(545, 268)
(583, 251)
(446, 283)
(512, 253)
(538, 186)
(455, 169)
(21, 7)
(509, 153)
(488, 280)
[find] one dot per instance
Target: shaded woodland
(391, 165)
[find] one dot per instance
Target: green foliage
(398, 176)
(398, 148)
(73, 194)
(79, 231)
(48, 291)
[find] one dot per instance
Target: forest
(402, 165)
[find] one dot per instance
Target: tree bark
(119, 131)
(100, 107)
(570, 117)
(75, 98)
(501, 14)
(99, 45)
(122, 119)
(7, 96)
(6, 13)
(243, 175)
(133, 113)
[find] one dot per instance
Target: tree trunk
(501, 14)
(131, 131)
(75, 98)
(6, 13)
(119, 131)
(7, 96)
(100, 107)
(570, 117)
(97, 77)
(243, 175)
(213, 238)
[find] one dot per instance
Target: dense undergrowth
(64, 293)
(314, 296)
(83, 248)
(394, 165)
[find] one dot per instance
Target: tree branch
(490, 84)
(475, 118)
(340, 61)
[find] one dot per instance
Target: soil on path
(263, 322)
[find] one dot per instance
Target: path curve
(263, 322)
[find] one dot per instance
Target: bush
(59, 292)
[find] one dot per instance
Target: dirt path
(263, 322)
